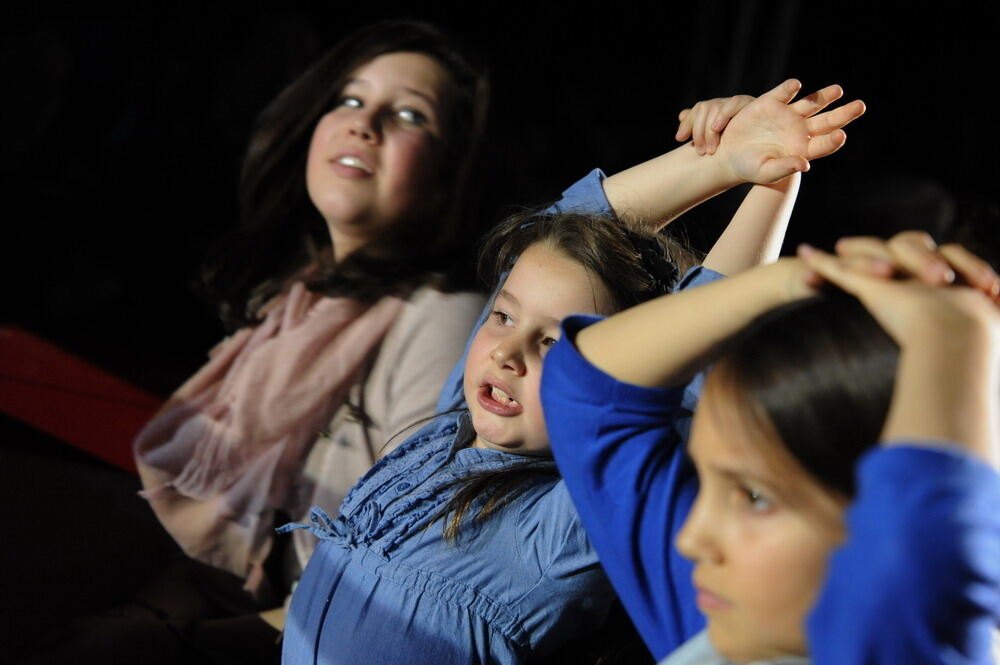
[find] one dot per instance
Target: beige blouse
(391, 401)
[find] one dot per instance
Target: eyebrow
(741, 475)
(504, 293)
(733, 474)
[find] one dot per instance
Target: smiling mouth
(497, 401)
(354, 163)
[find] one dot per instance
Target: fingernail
(805, 249)
(946, 273)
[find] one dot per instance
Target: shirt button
(402, 487)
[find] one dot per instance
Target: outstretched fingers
(812, 104)
(838, 118)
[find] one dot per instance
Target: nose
(364, 125)
(508, 355)
(697, 539)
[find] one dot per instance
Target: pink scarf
(228, 446)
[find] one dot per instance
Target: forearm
(755, 234)
(946, 390)
(657, 191)
(666, 341)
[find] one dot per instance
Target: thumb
(836, 271)
(773, 170)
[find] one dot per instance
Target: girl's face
(504, 366)
(759, 535)
(374, 159)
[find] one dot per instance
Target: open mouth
(353, 162)
(496, 400)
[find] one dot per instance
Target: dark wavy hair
(819, 375)
(280, 231)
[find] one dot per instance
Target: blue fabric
(925, 529)
(383, 586)
(918, 581)
(585, 195)
(620, 449)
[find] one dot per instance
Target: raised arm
(632, 346)
(926, 493)
(948, 379)
(736, 140)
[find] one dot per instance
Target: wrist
(789, 280)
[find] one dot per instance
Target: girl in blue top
(509, 575)
(790, 407)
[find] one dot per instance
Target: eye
(502, 318)
(756, 500)
(350, 102)
(548, 342)
(412, 116)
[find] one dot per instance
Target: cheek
(478, 355)
(415, 164)
(782, 578)
(316, 157)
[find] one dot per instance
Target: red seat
(71, 399)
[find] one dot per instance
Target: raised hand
(703, 123)
(772, 137)
(914, 253)
(948, 380)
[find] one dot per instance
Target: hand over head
(771, 137)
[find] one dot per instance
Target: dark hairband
(662, 271)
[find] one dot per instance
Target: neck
(344, 244)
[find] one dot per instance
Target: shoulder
(428, 308)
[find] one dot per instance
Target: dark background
(123, 131)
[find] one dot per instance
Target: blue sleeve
(625, 467)
(918, 581)
(585, 195)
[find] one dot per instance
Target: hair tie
(662, 271)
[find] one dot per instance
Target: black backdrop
(124, 131)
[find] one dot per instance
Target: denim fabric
(383, 586)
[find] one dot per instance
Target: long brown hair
(621, 257)
(281, 232)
